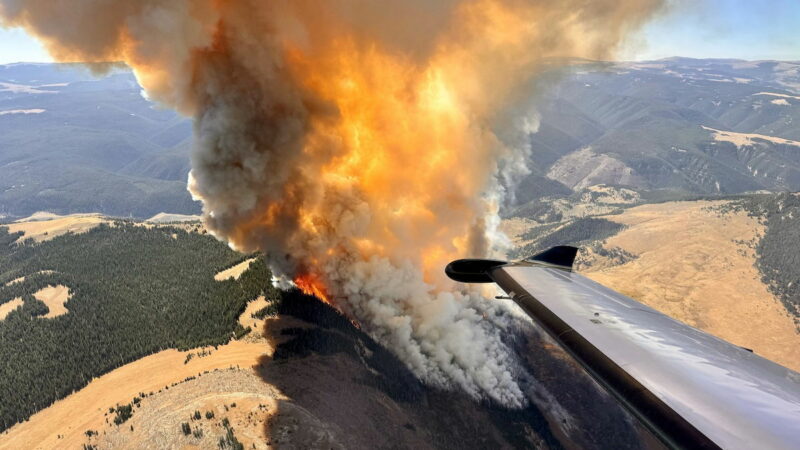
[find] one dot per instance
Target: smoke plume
(360, 144)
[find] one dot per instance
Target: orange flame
(310, 284)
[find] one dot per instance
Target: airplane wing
(691, 389)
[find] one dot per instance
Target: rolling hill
(668, 129)
(72, 142)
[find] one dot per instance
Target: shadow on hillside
(347, 391)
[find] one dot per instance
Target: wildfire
(310, 284)
(361, 144)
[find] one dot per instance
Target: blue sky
(745, 29)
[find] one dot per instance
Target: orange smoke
(400, 143)
(381, 114)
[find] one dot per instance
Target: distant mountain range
(72, 142)
(669, 128)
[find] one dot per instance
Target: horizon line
(667, 58)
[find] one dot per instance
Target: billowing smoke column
(358, 143)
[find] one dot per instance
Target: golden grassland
(64, 424)
(696, 266)
(54, 297)
(515, 227)
(15, 281)
(44, 226)
(7, 307)
(235, 394)
(247, 319)
(744, 139)
(22, 279)
(234, 272)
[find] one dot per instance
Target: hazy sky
(16, 46)
(746, 29)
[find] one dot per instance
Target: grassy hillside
(777, 250)
(134, 291)
(728, 266)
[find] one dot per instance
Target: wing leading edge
(691, 389)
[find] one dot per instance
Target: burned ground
(345, 390)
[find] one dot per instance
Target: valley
(76, 142)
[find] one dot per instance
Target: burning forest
(361, 145)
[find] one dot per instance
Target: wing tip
(561, 255)
(477, 270)
(472, 270)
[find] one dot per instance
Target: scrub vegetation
(574, 233)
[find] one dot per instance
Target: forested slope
(576, 233)
(134, 291)
(778, 250)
